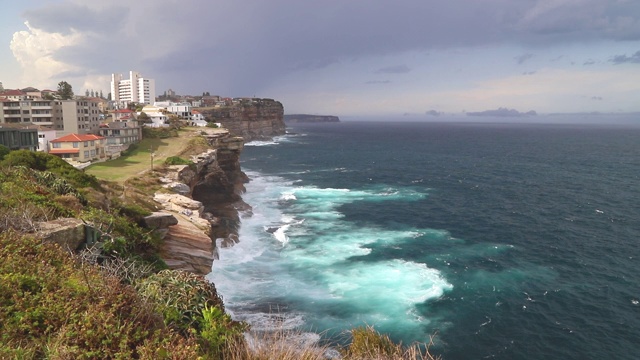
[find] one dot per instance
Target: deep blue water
(506, 241)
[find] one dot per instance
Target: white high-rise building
(136, 89)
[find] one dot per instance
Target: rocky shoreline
(201, 203)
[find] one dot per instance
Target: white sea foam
(314, 267)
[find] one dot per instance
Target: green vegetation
(115, 299)
(177, 160)
(65, 91)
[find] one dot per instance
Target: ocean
(499, 240)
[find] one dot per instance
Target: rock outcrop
(69, 233)
(209, 211)
(252, 119)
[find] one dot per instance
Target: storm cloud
(246, 47)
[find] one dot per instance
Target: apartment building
(65, 116)
(79, 117)
(135, 89)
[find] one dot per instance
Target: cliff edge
(206, 203)
(252, 119)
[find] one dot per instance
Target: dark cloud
(378, 82)
(521, 59)
(65, 17)
(529, 72)
(398, 69)
(589, 62)
(621, 59)
(246, 46)
(599, 98)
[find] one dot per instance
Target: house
(14, 95)
(45, 136)
(156, 116)
(183, 110)
(197, 119)
(119, 135)
(123, 115)
(19, 137)
(78, 147)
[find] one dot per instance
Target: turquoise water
(508, 241)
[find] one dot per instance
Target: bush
(52, 307)
(119, 236)
(159, 133)
(368, 344)
(180, 296)
(3, 151)
(177, 160)
(46, 162)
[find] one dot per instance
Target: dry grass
(139, 161)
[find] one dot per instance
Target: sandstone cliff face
(216, 183)
(252, 119)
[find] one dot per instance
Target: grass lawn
(139, 160)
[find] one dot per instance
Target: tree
(86, 93)
(65, 91)
(143, 117)
(3, 151)
(101, 96)
(93, 93)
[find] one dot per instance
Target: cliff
(206, 203)
(305, 118)
(252, 119)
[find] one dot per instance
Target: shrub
(180, 296)
(3, 151)
(177, 160)
(119, 236)
(52, 307)
(367, 343)
(46, 162)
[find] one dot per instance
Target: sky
(339, 57)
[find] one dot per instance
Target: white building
(183, 110)
(197, 119)
(45, 135)
(156, 116)
(136, 89)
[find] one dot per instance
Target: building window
(86, 154)
(93, 143)
(56, 145)
(86, 144)
(75, 144)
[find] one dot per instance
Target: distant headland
(306, 118)
(503, 112)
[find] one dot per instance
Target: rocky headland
(306, 118)
(204, 201)
(206, 196)
(252, 119)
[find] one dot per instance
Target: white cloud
(35, 50)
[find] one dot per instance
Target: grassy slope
(139, 160)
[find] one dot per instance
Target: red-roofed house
(14, 95)
(78, 147)
(197, 119)
(123, 115)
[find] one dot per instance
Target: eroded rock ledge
(205, 200)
